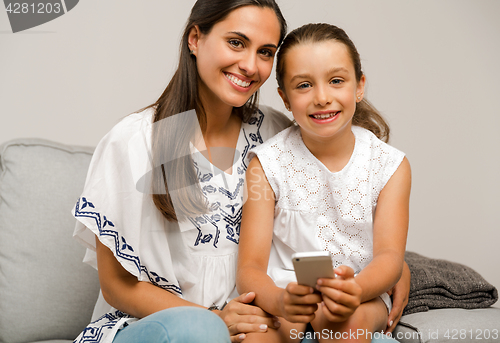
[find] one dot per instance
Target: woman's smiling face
(236, 57)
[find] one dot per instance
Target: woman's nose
(248, 64)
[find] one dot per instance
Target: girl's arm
(390, 229)
(123, 291)
(296, 303)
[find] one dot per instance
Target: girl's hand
(341, 296)
(242, 318)
(299, 303)
(399, 294)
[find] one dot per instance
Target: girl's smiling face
(321, 88)
(236, 57)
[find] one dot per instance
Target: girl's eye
(336, 81)
(235, 43)
(303, 86)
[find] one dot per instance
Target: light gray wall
(432, 69)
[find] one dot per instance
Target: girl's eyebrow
(245, 37)
(338, 70)
(299, 76)
(331, 71)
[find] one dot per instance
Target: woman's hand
(399, 293)
(242, 318)
(299, 303)
(341, 296)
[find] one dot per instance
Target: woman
(161, 208)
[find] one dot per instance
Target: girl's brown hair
(366, 115)
(172, 163)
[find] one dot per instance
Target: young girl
(329, 184)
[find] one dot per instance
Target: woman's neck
(217, 122)
(220, 130)
(218, 117)
(334, 152)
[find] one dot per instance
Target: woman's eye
(266, 53)
(235, 43)
(336, 81)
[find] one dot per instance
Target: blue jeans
(176, 325)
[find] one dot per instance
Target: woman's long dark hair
(172, 164)
(366, 115)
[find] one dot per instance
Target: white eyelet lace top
(320, 210)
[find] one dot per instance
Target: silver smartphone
(310, 266)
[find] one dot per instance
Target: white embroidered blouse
(195, 259)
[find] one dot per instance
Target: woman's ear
(284, 98)
(193, 39)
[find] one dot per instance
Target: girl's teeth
(237, 81)
(324, 116)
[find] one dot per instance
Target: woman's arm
(123, 291)
(400, 294)
(296, 303)
(390, 230)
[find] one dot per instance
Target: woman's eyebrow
(244, 36)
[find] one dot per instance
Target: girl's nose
(248, 64)
(322, 96)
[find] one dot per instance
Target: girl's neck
(334, 152)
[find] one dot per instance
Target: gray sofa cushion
(46, 292)
(450, 325)
(445, 325)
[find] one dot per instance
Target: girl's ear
(284, 98)
(360, 89)
(193, 39)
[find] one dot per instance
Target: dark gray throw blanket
(444, 284)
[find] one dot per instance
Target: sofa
(47, 294)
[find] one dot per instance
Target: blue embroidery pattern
(106, 232)
(255, 137)
(94, 331)
(209, 189)
(161, 281)
(122, 248)
(205, 219)
(231, 213)
(206, 177)
(233, 224)
(236, 192)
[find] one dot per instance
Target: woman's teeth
(237, 81)
(324, 116)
